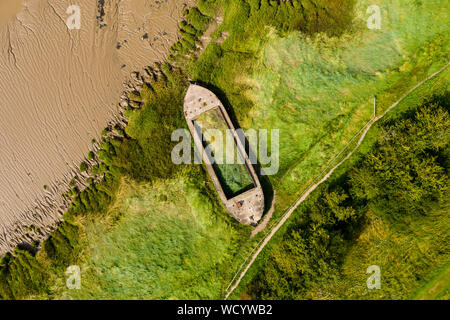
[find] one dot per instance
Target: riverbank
(60, 88)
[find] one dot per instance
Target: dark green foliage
(96, 169)
(310, 254)
(208, 7)
(207, 61)
(197, 19)
(189, 29)
(96, 198)
(23, 275)
(146, 155)
(308, 16)
(196, 24)
(405, 175)
(63, 246)
(238, 12)
(247, 22)
(120, 132)
(189, 38)
(83, 166)
(5, 259)
(186, 44)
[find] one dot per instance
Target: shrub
(83, 166)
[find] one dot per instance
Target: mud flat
(9, 9)
(59, 88)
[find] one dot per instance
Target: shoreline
(40, 177)
(41, 219)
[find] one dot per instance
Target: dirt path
(314, 186)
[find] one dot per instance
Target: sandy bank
(58, 90)
(9, 9)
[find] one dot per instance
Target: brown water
(9, 9)
(60, 87)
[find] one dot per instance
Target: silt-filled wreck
(236, 183)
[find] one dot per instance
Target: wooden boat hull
(247, 206)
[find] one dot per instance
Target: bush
(23, 275)
(198, 20)
(83, 166)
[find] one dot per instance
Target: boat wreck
(236, 182)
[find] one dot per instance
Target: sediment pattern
(58, 89)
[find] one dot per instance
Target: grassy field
(155, 230)
(436, 288)
(437, 87)
(340, 231)
(319, 90)
(162, 241)
(406, 255)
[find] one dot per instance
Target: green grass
(406, 254)
(162, 241)
(308, 68)
(319, 90)
(226, 159)
(324, 255)
(436, 288)
(437, 87)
